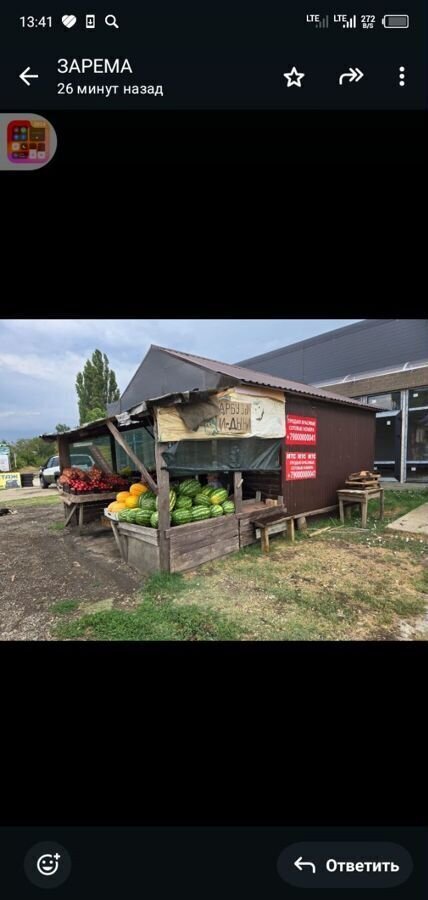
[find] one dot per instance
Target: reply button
(350, 864)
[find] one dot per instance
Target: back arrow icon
(299, 864)
(353, 75)
(24, 76)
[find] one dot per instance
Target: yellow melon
(122, 496)
(131, 502)
(137, 489)
(115, 506)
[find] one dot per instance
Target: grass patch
(57, 526)
(153, 621)
(62, 607)
(35, 501)
(345, 584)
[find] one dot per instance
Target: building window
(387, 401)
(418, 397)
(417, 440)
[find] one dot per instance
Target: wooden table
(348, 497)
(77, 504)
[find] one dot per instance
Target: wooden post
(113, 453)
(63, 452)
(290, 529)
(282, 473)
(163, 507)
(237, 490)
(302, 523)
(364, 508)
(341, 511)
(264, 533)
(137, 463)
(99, 459)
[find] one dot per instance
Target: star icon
(294, 78)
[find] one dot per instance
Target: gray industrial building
(381, 362)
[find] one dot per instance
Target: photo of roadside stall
(198, 459)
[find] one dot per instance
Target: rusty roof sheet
(249, 376)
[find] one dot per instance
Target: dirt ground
(42, 564)
(341, 584)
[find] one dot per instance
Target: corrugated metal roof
(377, 373)
(249, 376)
(364, 346)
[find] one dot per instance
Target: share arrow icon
(354, 75)
(25, 75)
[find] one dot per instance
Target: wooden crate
(199, 542)
(139, 547)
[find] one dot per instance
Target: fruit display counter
(202, 526)
(86, 493)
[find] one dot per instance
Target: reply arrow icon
(353, 75)
(299, 864)
(25, 76)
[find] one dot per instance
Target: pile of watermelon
(195, 503)
(189, 502)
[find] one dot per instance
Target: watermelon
(131, 518)
(218, 496)
(181, 516)
(143, 517)
(172, 499)
(207, 489)
(123, 515)
(146, 502)
(216, 510)
(154, 519)
(189, 487)
(200, 512)
(228, 507)
(201, 500)
(183, 502)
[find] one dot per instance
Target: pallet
(364, 475)
(362, 484)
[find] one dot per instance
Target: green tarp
(190, 457)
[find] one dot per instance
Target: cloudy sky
(40, 358)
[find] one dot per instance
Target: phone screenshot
(276, 57)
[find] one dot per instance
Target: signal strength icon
(351, 23)
(322, 23)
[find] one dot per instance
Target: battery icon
(396, 21)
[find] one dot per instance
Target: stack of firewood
(363, 480)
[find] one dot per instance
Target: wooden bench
(272, 522)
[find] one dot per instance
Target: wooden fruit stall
(252, 430)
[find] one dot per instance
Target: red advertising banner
(300, 466)
(301, 430)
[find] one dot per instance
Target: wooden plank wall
(247, 532)
(269, 483)
(192, 545)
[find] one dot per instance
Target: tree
(96, 413)
(31, 452)
(60, 428)
(96, 386)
